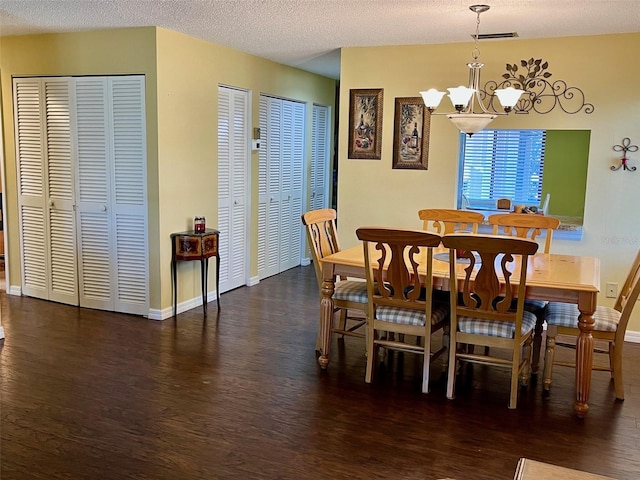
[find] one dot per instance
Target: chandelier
(464, 98)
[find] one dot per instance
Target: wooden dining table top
(546, 270)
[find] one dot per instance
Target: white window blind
(501, 164)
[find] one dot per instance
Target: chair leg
(515, 374)
(615, 354)
(451, 374)
(366, 337)
(525, 375)
(371, 356)
(426, 363)
(548, 357)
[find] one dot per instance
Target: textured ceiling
(309, 33)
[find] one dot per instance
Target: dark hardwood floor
(95, 395)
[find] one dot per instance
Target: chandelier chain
(476, 49)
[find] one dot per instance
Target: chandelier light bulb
(460, 96)
(508, 97)
(432, 98)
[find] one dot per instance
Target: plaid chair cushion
(566, 315)
(534, 306)
(439, 312)
(495, 328)
(351, 291)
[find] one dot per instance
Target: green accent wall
(565, 171)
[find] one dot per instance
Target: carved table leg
(326, 321)
(537, 344)
(584, 353)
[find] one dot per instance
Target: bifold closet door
(81, 147)
(280, 185)
(45, 149)
(111, 193)
(320, 161)
(233, 160)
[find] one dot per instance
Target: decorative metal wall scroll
(541, 95)
(624, 148)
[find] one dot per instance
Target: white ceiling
(309, 33)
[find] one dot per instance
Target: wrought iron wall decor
(624, 148)
(540, 94)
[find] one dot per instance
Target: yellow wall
(599, 65)
(182, 77)
(189, 72)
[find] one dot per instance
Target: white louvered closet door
(233, 158)
(94, 193)
(269, 187)
(82, 190)
(292, 168)
(45, 149)
(111, 186)
(280, 180)
(129, 205)
(320, 158)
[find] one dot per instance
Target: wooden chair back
(482, 295)
(399, 285)
(524, 225)
(322, 236)
(482, 312)
(446, 221)
(400, 298)
(627, 298)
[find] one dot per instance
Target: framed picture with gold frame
(411, 134)
(365, 123)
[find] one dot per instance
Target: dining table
(550, 277)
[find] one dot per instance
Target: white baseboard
(1, 333)
(632, 337)
(183, 306)
(253, 281)
(15, 290)
(305, 261)
(155, 314)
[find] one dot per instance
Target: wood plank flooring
(94, 395)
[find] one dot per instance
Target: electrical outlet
(612, 290)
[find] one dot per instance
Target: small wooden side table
(192, 245)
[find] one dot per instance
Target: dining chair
(527, 225)
(487, 307)
(445, 220)
(524, 225)
(322, 236)
(401, 298)
(610, 326)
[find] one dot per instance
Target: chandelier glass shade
(464, 99)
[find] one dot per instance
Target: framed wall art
(411, 134)
(365, 123)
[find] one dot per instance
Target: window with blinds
(501, 164)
